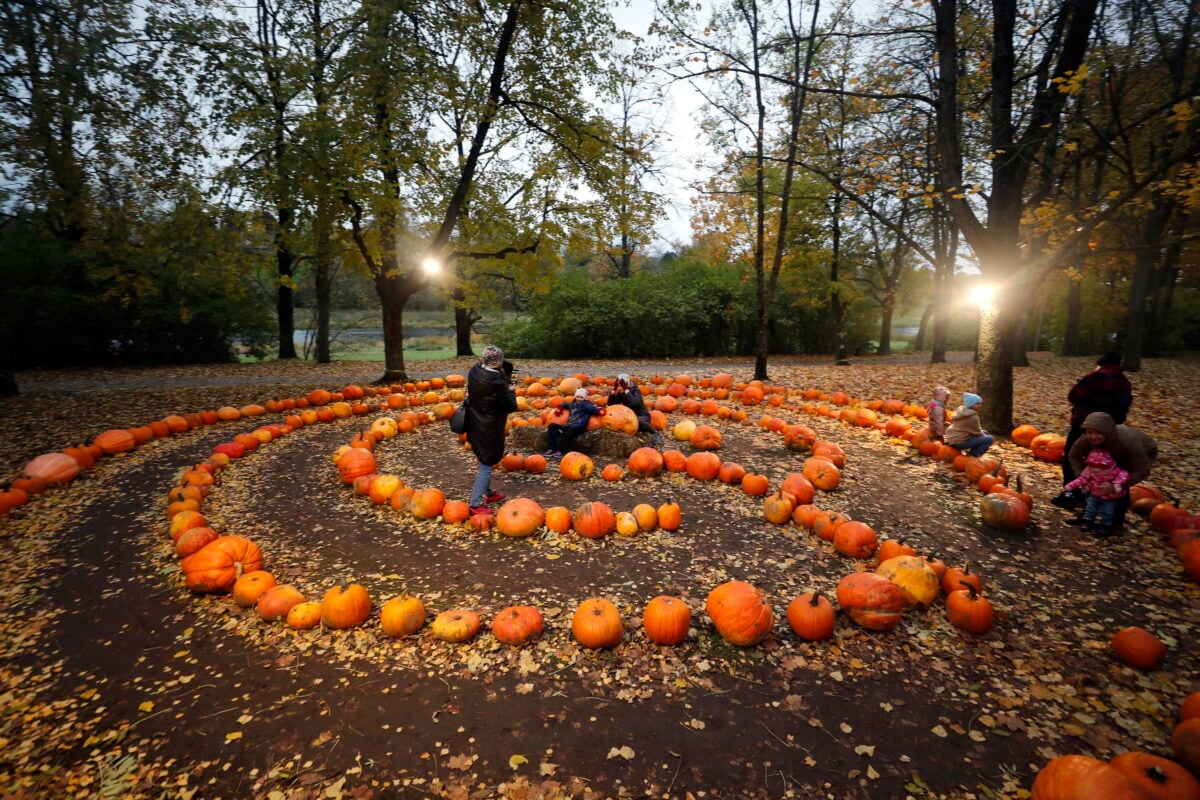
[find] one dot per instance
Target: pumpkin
(612, 473)
(354, 463)
(917, 581)
(217, 566)
(666, 620)
(347, 607)
(382, 487)
(670, 516)
(890, 548)
(871, 600)
(830, 451)
(954, 577)
(674, 461)
(1157, 778)
(277, 601)
(304, 616)
(740, 613)
(455, 511)
(805, 516)
(799, 487)
(1076, 777)
(621, 419)
(1189, 554)
(558, 519)
(1185, 742)
(645, 462)
(55, 469)
(517, 625)
(969, 610)
(1003, 511)
(1190, 708)
(597, 625)
(811, 616)
(519, 518)
(251, 586)
(1048, 446)
(646, 516)
(731, 472)
(1023, 435)
(454, 626)
(594, 520)
(1137, 647)
(512, 462)
(626, 524)
(826, 522)
(426, 503)
(822, 473)
(402, 616)
(535, 464)
(706, 437)
(575, 466)
(855, 539)
(777, 508)
(755, 485)
(115, 441)
(703, 465)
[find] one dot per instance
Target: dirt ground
(117, 682)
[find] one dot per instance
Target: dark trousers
(560, 437)
(1072, 437)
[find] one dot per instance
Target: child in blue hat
(964, 432)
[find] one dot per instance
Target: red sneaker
(495, 497)
(475, 510)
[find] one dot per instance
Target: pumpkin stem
(1019, 487)
(1156, 774)
(816, 598)
(972, 594)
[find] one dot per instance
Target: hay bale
(596, 443)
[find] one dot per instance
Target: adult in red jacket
(1106, 390)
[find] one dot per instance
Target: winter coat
(1105, 389)
(633, 399)
(937, 413)
(580, 411)
(1092, 478)
(964, 425)
(1133, 450)
(490, 403)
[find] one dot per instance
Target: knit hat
(621, 384)
(1099, 458)
(1099, 422)
(581, 394)
(970, 400)
(940, 393)
(493, 356)
(1109, 360)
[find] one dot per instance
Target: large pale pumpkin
(916, 579)
(740, 612)
(54, 468)
(217, 566)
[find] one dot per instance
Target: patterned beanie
(493, 356)
(581, 394)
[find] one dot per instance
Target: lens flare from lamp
(431, 266)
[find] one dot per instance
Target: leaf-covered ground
(116, 682)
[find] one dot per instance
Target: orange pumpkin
(217, 566)
(558, 519)
(512, 462)
(953, 579)
(612, 473)
(855, 539)
(55, 469)
(645, 462)
(347, 607)
(575, 466)
(275, 603)
(969, 610)
(1077, 777)
(799, 487)
(755, 485)
(666, 620)
(535, 464)
(455, 511)
(1004, 511)
(811, 616)
(825, 523)
(402, 616)
(1137, 647)
(517, 625)
(822, 473)
(115, 441)
(706, 437)
(1048, 446)
(597, 624)
(674, 461)
(427, 503)
(703, 465)
(890, 548)
(251, 586)
(519, 518)
(740, 613)
(1185, 742)
(871, 600)
(594, 520)
(830, 451)
(731, 472)
(304, 616)
(670, 516)
(355, 463)
(1024, 435)
(1190, 708)
(457, 625)
(1156, 778)
(646, 516)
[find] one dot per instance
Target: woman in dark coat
(626, 393)
(492, 399)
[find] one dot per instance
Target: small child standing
(1101, 470)
(937, 413)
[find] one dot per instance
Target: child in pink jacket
(937, 413)
(1105, 483)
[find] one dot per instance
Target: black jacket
(491, 401)
(633, 399)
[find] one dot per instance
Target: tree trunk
(324, 278)
(463, 321)
(284, 296)
(1070, 345)
(1147, 258)
(885, 327)
(998, 323)
(923, 328)
(393, 296)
